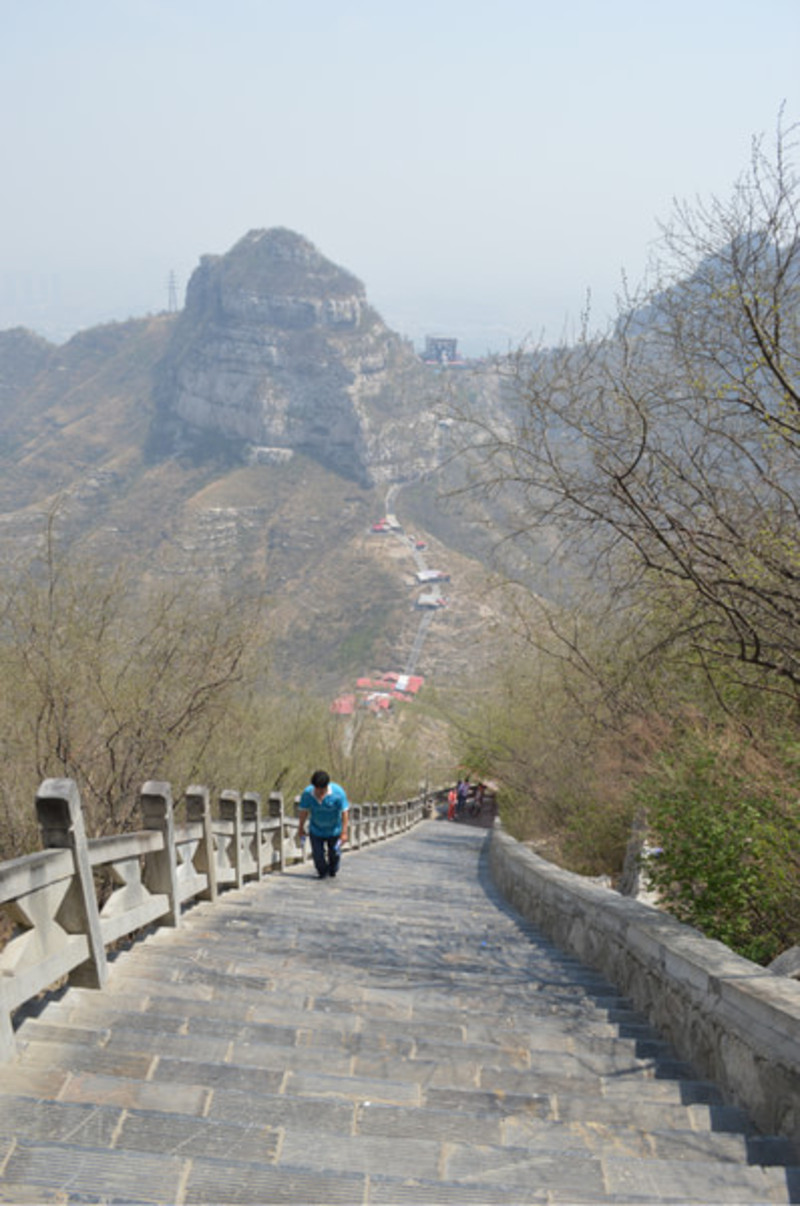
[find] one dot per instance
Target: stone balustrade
(737, 1023)
(63, 926)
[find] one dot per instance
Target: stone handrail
(736, 1022)
(61, 928)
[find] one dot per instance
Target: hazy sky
(479, 164)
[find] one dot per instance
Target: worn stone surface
(396, 1036)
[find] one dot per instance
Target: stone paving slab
(632, 1111)
(84, 1033)
(464, 1101)
(417, 1192)
(357, 1039)
(301, 1058)
(220, 1181)
(266, 1033)
(421, 1072)
(242, 1078)
(310, 1115)
(573, 1171)
(394, 1156)
(181, 1046)
(133, 1094)
(682, 1092)
(353, 1088)
(135, 989)
(34, 1118)
(99, 1174)
(198, 1137)
(81, 1058)
(212, 1009)
(43, 1081)
(372, 1118)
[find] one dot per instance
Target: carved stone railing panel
(131, 905)
(190, 850)
(42, 948)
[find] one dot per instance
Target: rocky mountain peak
(278, 349)
(280, 261)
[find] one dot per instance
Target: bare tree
(666, 455)
(108, 681)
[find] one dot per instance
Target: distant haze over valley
(58, 304)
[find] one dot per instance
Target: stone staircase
(394, 1036)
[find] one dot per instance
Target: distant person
(326, 804)
(451, 804)
(462, 795)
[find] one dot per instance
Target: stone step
(239, 1004)
(444, 1043)
(265, 1044)
(139, 1049)
(185, 951)
(339, 1169)
(93, 1075)
(137, 994)
(531, 1122)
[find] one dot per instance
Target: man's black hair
(320, 779)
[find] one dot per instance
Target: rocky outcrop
(278, 347)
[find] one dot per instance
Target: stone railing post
(60, 817)
(251, 816)
(161, 866)
(355, 826)
(276, 812)
(230, 809)
(304, 851)
(198, 809)
(8, 1042)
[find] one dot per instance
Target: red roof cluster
(378, 692)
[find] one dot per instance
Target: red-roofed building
(409, 683)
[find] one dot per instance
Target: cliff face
(278, 348)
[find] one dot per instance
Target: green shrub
(729, 847)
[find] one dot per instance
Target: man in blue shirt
(327, 806)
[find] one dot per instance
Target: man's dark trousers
(326, 856)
